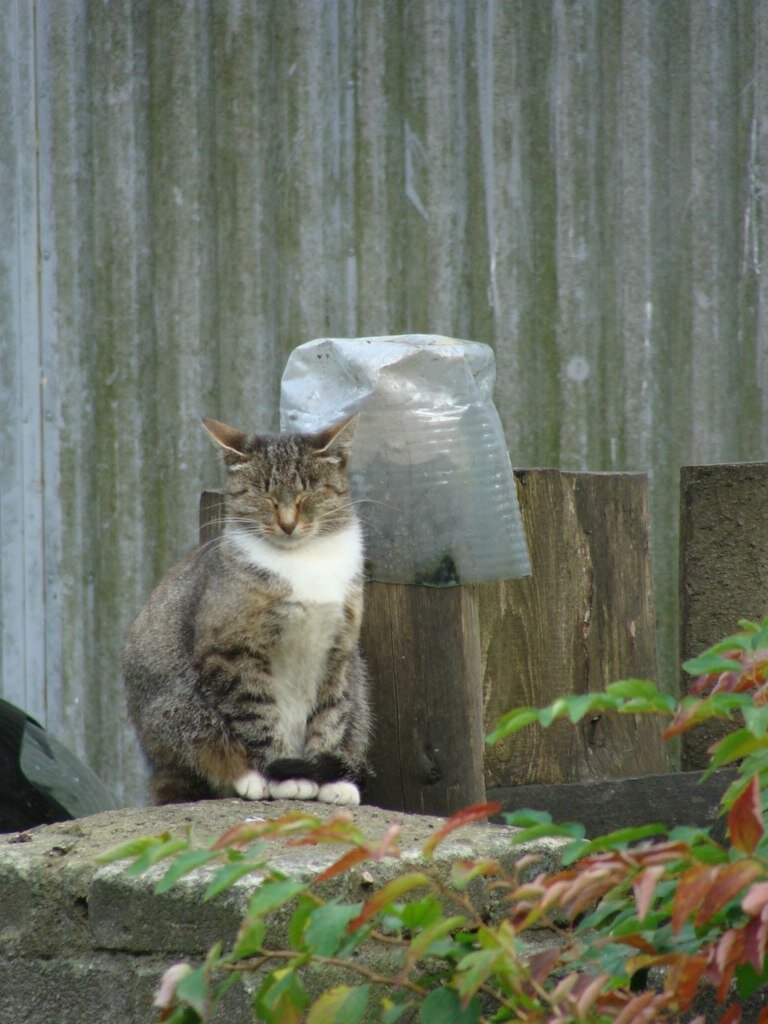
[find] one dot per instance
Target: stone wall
(82, 943)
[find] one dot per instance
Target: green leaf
(756, 720)
(568, 830)
(737, 642)
(443, 1006)
(273, 894)
(282, 997)
(183, 864)
(512, 722)
(612, 841)
(749, 626)
(710, 664)
(388, 894)
(755, 764)
(474, 968)
(526, 818)
(193, 990)
(421, 913)
(393, 1011)
(250, 938)
(557, 709)
(749, 981)
(304, 907)
(226, 877)
(632, 688)
(423, 943)
(327, 926)
(580, 706)
(340, 1005)
(734, 747)
(133, 848)
(154, 854)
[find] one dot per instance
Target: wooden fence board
(723, 569)
(585, 618)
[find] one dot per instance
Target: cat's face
(287, 488)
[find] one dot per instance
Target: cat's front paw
(252, 786)
(339, 793)
(293, 789)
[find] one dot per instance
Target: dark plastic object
(40, 780)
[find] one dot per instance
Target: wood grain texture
(723, 569)
(584, 619)
(422, 646)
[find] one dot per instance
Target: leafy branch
(679, 902)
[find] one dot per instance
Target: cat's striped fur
(242, 671)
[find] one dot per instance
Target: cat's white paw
(252, 786)
(293, 789)
(339, 793)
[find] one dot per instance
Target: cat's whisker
(374, 501)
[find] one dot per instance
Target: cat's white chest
(299, 664)
(320, 571)
(319, 575)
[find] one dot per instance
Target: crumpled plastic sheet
(429, 468)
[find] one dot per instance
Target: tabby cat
(242, 672)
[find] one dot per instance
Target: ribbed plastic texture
(429, 466)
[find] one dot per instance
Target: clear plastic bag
(429, 465)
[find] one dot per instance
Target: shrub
(640, 920)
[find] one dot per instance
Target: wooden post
(584, 619)
(723, 569)
(422, 647)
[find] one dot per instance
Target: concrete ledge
(82, 943)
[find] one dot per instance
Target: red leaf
(684, 982)
(540, 965)
(756, 899)
(745, 819)
(763, 1017)
(344, 863)
(689, 894)
(727, 955)
(386, 895)
(756, 940)
(729, 948)
(732, 1015)
(240, 836)
(587, 991)
(644, 886)
(464, 817)
(642, 1009)
(727, 881)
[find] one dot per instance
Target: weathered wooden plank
(422, 647)
(602, 806)
(585, 618)
(22, 565)
(723, 569)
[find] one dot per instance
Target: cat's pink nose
(287, 521)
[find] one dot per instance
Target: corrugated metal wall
(190, 189)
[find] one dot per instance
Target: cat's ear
(336, 442)
(230, 440)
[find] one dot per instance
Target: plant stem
(254, 963)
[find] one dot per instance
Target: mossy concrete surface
(82, 942)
